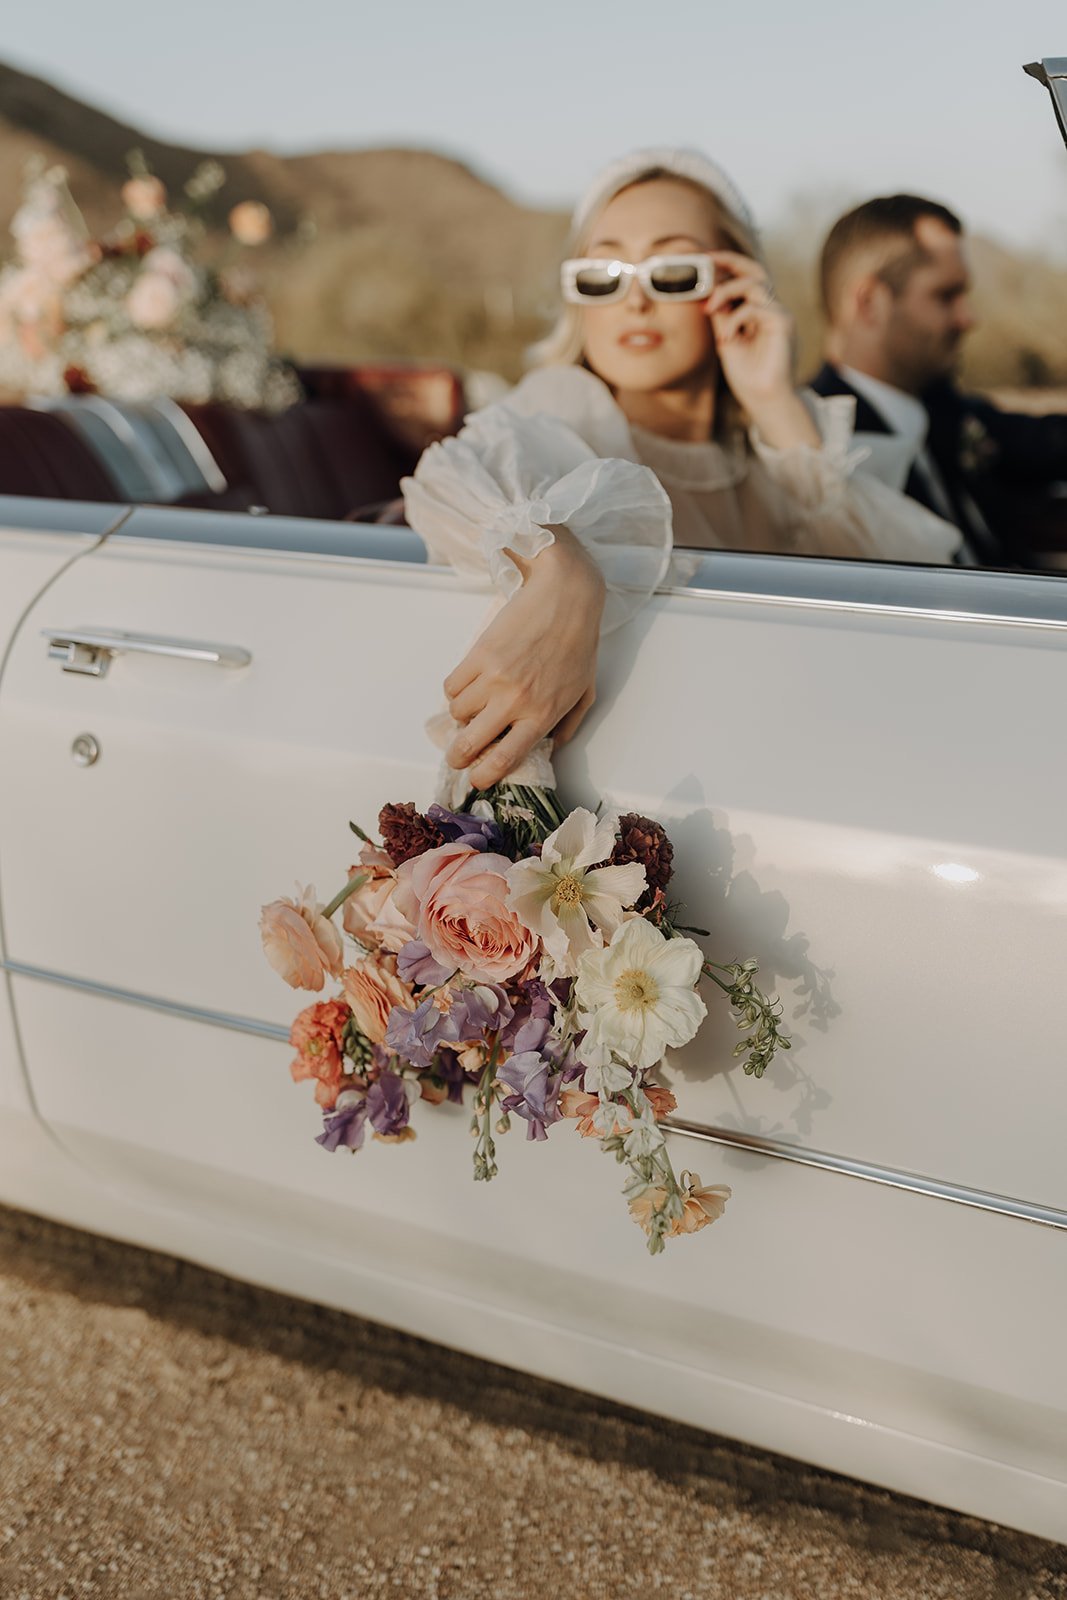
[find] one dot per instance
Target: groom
(896, 292)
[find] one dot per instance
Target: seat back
(41, 455)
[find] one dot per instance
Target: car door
(38, 541)
(855, 767)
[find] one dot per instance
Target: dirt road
(168, 1433)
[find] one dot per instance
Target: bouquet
(137, 313)
(522, 958)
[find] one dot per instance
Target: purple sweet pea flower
(531, 1000)
(461, 827)
(536, 1086)
(387, 1104)
(346, 1126)
(451, 1015)
(416, 965)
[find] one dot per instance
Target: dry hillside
(408, 253)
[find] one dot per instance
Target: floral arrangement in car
(136, 314)
(523, 957)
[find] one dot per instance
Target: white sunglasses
(587, 281)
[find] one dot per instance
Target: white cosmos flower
(566, 898)
(638, 996)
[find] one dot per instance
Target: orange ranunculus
(298, 941)
(370, 914)
(457, 899)
(318, 1036)
(372, 989)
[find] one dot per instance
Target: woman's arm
(533, 671)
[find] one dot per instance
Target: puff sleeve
(531, 462)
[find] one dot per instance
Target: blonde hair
(563, 345)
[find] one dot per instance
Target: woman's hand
(754, 340)
(533, 670)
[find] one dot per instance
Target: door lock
(85, 750)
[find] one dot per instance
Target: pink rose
(299, 943)
(251, 222)
(457, 899)
(154, 301)
(370, 914)
(372, 989)
(144, 197)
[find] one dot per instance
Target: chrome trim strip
(877, 607)
(980, 1199)
(844, 1166)
(132, 997)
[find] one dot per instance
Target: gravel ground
(167, 1432)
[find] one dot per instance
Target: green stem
(706, 970)
(350, 888)
(485, 1150)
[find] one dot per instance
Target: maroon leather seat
(320, 458)
(42, 456)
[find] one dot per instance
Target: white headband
(683, 163)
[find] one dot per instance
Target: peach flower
(372, 989)
(370, 914)
(144, 197)
(251, 222)
(457, 899)
(576, 1103)
(153, 302)
(318, 1036)
(662, 1100)
(299, 943)
(703, 1205)
(700, 1205)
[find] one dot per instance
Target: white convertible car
(862, 769)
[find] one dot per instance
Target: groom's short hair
(883, 232)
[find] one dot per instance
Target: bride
(661, 412)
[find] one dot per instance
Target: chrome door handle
(91, 650)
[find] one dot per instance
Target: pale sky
(819, 104)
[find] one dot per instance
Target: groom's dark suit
(996, 466)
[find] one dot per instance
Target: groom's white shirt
(905, 446)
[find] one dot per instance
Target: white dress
(558, 451)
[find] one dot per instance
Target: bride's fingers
(469, 702)
(502, 757)
(467, 746)
(568, 726)
(461, 676)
